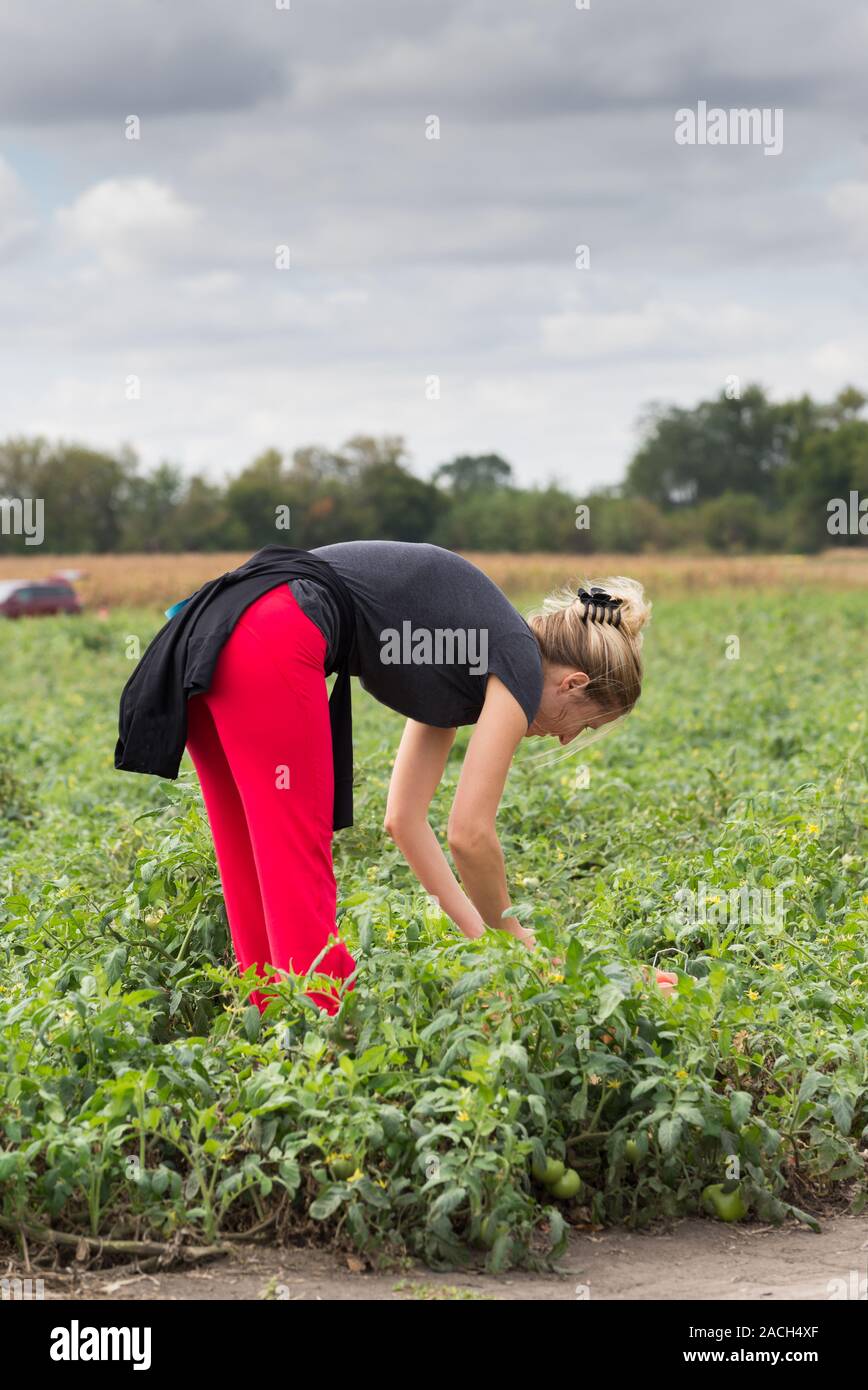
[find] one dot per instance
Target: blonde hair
(602, 639)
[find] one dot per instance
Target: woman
(434, 639)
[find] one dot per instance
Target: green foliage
(16, 803)
(729, 475)
(748, 474)
(140, 1093)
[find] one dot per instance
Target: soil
(694, 1259)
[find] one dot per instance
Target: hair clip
(600, 607)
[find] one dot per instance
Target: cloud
(410, 256)
(840, 361)
(848, 202)
(673, 329)
(18, 224)
(96, 59)
(508, 60)
(130, 223)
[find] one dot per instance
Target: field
(158, 580)
(144, 1104)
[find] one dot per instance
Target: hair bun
(626, 597)
(599, 631)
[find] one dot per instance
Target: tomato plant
(462, 1081)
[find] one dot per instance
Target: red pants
(260, 740)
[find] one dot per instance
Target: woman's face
(565, 709)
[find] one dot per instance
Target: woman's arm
(472, 834)
(419, 765)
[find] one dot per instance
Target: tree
(149, 506)
(474, 473)
(253, 499)
(396, 505)
(832, 464)
(732, 524)
(723, 445)
(201, 520)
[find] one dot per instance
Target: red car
(26, 598)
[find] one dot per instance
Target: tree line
(736, 473)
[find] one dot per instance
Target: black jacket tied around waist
(180, 662)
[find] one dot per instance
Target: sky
(432, 289)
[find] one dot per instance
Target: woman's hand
(419, 765)
(665, 980)
(472, 835)
(522, 934)
(473, 840)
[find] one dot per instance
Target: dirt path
(697, 1260)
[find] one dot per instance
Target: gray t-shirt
(430, 629)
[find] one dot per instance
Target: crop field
(719, 833)
(145, 580)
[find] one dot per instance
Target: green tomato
(490, 1230)
(566, 1186)
(549, 1171)
(632, 1154)
(342, 1168)
(725, 1201)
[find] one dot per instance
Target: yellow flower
(354, 1177)
(681, 1074)
(778, 965)
(614, 1085)
(391, 935)
(822, 940)
(752, 994)
(560, 854)
(556, 978)
(812, 829)
(463, 1115)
